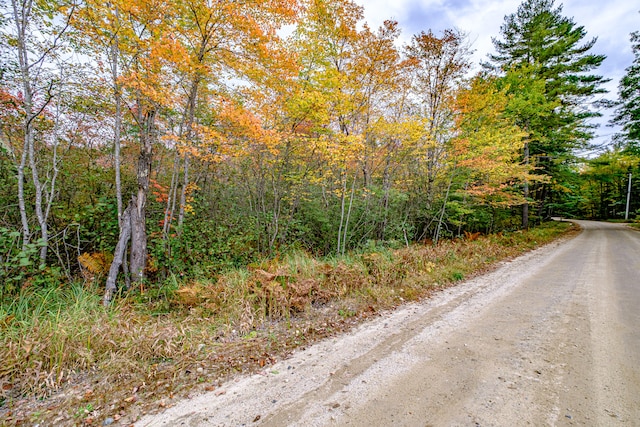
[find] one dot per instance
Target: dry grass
(87, 363)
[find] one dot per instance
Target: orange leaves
(244, 125)
(11, 112)
(145, 88)
(160, 192)
(169, 51)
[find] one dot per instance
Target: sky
(611, 22)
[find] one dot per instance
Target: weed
(457, 276)
(251, 335)
(346, 313)
(83, 411)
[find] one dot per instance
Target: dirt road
(551, 338)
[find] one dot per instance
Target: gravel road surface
(550, 338)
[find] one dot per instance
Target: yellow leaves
(189, 199)
(409, 131)
(343, 149)
(488, 145)
(310, 106)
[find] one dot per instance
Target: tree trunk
(119, 254)
(342, 202)
(183, 194)
(138, 218)
(44, 231)
(187, 133)
(386, 186)
(525, 206)
(173, 192)
(21, 15)
(138, 261)
(26, 234)
(54, 175)
(114, 52)
(347, 219)
(116, 156)
(444, 208)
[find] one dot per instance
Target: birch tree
(39, 31)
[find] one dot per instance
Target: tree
(39, 31)
(164, 76)
(487, 144)
(99, 28)
(531, 110)
(439, 66)
(628, 109)
(327, 42)
(540, 44)
(605, 181)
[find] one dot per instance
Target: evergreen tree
(543, 49)
(628, 111)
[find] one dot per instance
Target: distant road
(551, 338)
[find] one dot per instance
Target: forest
(209, 136)
(148, 144)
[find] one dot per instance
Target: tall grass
(46, 336)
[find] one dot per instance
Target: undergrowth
(200, 331)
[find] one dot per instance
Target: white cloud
(611, 23)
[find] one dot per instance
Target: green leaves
(628, 105)
(545, 69)
(542, 49)
(17, 263)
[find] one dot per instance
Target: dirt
(550, 338)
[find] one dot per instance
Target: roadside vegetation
(67, 359)
(189, 191)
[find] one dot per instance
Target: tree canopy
(628, 108)
(547, 67)
(177, 137)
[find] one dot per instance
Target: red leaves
(160, 192)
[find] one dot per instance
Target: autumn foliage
(236, 130)
(184, 153)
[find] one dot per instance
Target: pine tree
(628, 110)
(544, 49)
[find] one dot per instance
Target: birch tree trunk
(342, 213)
(117, 126)
(348, 218)
(44, 40)
(114, 53)
(183, 193)
(187, 133)
(386, 186)
(171, 197)
(22, 15)
(26, 234)
(444, 209)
